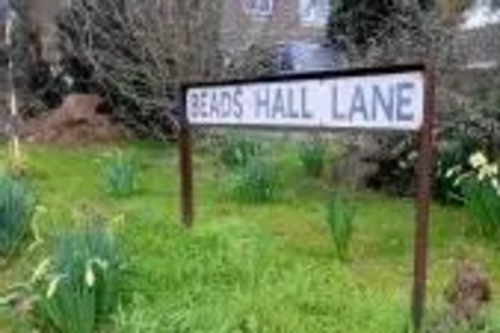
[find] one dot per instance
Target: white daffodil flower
(89, 275)
(449, 173)
(41, 270)
(453, 171)
(478, 160)
(41, 209)
(458, 181)
(491, 170)
(495, 184)
(101, 263)
(53, 286)
(482, 174)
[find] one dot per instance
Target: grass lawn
(243, 268)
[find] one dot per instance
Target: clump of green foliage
(256, 182)
(16, 212)
(371, 20)
(451, 166)
(340, 219)
(312, 155)
(363, 22)
(237, 150)
(481, 188)
(120, 174)
(79, 287)
(459, 134)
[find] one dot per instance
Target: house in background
(294, 31)
(274, 20)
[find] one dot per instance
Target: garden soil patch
(76, 122)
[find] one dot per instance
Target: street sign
(400, 98)
(377, 101)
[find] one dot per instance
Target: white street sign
(375, 101)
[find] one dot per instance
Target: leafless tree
(146, 49)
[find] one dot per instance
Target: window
(314, 12)
(4, 11)
(258, 8)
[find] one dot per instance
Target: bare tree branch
(143, 50)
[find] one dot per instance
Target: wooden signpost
(397, 98)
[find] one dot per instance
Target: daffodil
(478, 160)
(452, 171)
(482, 174)
(495, 184)
(449, 173)
(101, 263)
(41, 270)
(89, 275)
(491, 170)
(41, 209)
(53, 286)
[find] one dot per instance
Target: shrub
(451, 166)
(395, 162)
(459, 134)
(120, 174)
(340, 219)
(237, 150)
(78, 288)
(255, 182)
(482, 195)
(312, 155)
(363, 22)
(16, 211)
(371, 20)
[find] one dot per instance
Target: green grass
(248, 268)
